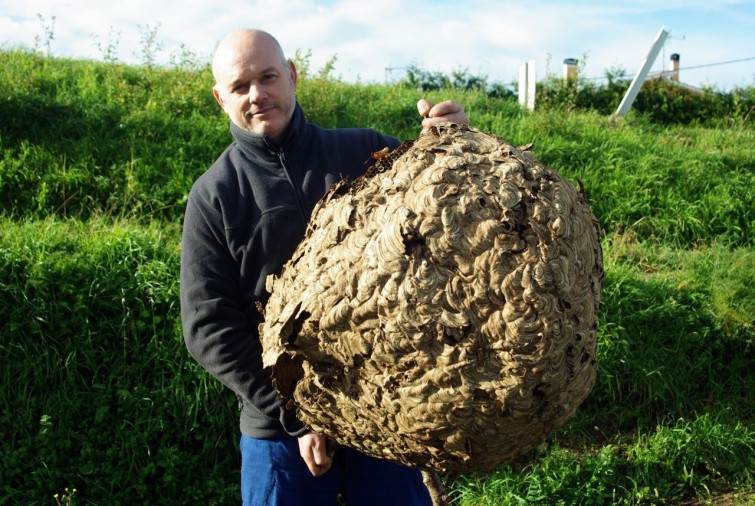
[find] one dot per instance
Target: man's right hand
(313, 449)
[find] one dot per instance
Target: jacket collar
(260, 147)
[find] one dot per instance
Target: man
(244, 217)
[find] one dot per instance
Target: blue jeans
(274, 474)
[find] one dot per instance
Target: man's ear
(218, 97)
(292, 73)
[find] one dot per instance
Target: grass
(671, 464)
(95, 380)
(97, 392)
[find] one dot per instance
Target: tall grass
(81, 137)
(97, 392)
(667, 465)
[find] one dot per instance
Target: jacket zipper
(282, 158)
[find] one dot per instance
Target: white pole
(531, 82)
(527, 81)
(634, 88)
(523, 84)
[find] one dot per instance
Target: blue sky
(367, 37)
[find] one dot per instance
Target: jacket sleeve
(217, 330)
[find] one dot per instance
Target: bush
(662, 102)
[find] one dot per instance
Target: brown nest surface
(441, 311)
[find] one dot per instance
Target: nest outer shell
(441, 311)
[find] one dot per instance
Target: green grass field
(98, 394)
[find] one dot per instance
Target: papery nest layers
(441, 314)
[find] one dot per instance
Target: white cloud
(486, 37)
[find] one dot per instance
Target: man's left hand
(447, 111)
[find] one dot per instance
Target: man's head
(254, 83)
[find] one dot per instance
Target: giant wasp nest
(441, 311)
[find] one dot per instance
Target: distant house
(673, 75)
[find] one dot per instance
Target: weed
(66, 499)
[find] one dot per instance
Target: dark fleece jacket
(244, 218)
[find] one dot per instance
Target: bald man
(244, 217)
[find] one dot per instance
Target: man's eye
(240, 87)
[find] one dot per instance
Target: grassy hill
(98, 394)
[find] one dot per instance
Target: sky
(376, 40)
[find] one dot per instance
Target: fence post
(527, 81)
(634, 88)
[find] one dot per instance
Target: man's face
(256, 87)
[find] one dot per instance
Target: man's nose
(256, 92)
